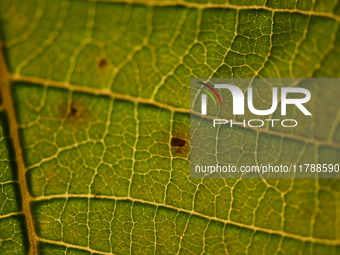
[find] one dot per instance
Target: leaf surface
(95, 96)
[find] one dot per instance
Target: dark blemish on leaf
(177, 142)
(102, 63)
(180, 137)
(73, 112)
(180, 147)
(51, 175)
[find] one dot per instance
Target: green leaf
(94, 131)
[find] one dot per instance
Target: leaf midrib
(5, 88)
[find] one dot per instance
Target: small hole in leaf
(177, 142)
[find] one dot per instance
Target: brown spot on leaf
(51, 175)
(180, 137)
(180, 147)
(177, 142)
(74, 114)
(102, 63)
